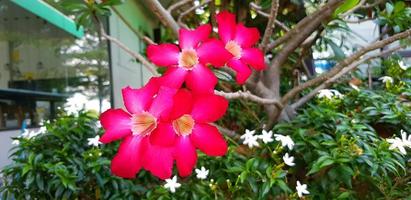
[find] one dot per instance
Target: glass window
(42, 67)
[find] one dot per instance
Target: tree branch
(344, 63)
(162, 14)
(183, 14)
(270, 25)
(376, 3)
(333, 79)
(257, 9)
(148, 65)
(304, 26)
(248, 96)
(302, 31)
(177, 5)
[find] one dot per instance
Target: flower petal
(209, 140)
(243, 71)
(116, 123)
(201, 79)
(159, 161)
(164, 135)
(254, 57)
(209, 108)
(174, 77)
(186, 156)
(137, 100)
(226, 25)
(246, 37)
(162, 102)
(182, 104)
(191, 38)
(213, 52)
(127, 162)
(163, 54)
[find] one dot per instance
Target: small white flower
(354, 87)
(337, 94)
(386, 79)
(402, 65)
(247, 134)
(171, 184)
(15, 142)
(251, 141)
(301, 189)
(95, 141)
(202, 173)
(397, 143)
(288, 160)
(325, 93)
(285, 140)
(406, 139)
(266, 136)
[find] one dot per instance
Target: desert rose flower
(188, 128)
(239, 41)
(187, 62)
(145, 108)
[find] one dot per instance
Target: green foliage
(397, 16)
(59, 164)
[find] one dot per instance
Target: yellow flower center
(234, 49)
(188, 58)
(143, 123)
(183, 125)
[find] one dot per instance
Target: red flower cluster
(166, 122)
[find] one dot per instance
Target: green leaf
(346, 6)
(389, 8)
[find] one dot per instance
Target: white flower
(301, 189)
(329, 94)
(95, 141)
(406, 139)
(337, 94)
(402, 65)
(266, 136)
(400, 143)
(202, 173)
(386, 79)
(288, 160)
(30, 134)
(285, 140)
(15, 142)
(397, 143)
(247, 134)
(325, 93)
(354, 87)
(172, 184)
(251, 141)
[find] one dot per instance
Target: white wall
(125, 71)
(6, 144)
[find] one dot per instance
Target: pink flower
(146, 107)
(188, 128)
(188, 61)
(239, 40)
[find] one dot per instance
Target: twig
(248, 96)
(164, 16)
(270, 25)
(178, 4)
(226, 131)
(333, 79)
(148, 65)
(349, 60)
(183, 14)
(257, 9)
